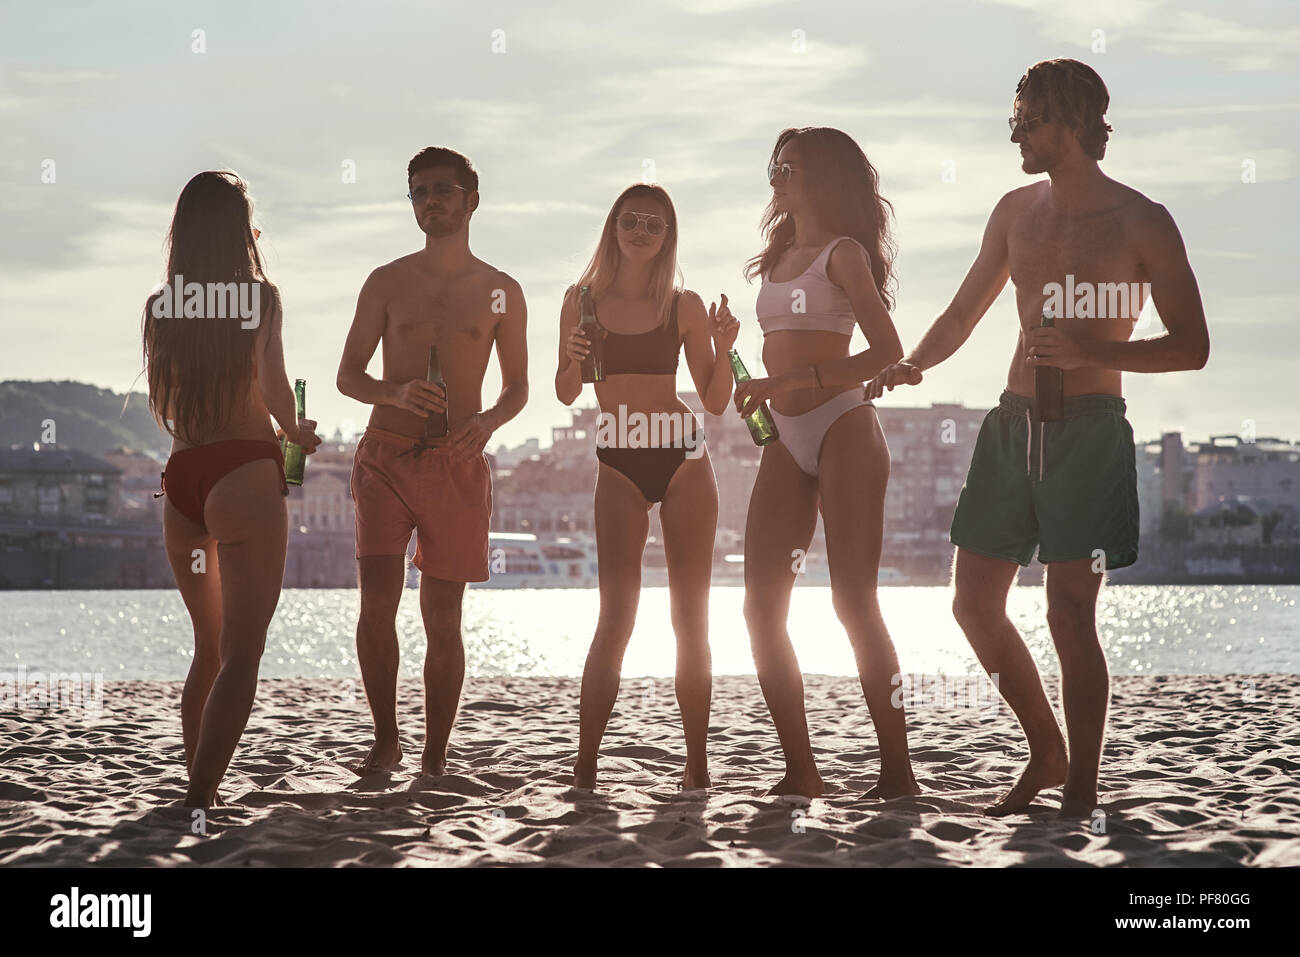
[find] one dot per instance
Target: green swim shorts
(1067, 488)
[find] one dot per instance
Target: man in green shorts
(1089, 250)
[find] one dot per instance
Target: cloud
(1235, 45)
(1077, 20)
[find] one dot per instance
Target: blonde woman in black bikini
(825, 269)
(646, 319)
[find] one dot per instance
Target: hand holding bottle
(303, 435)
(421, 397)
(577, 345)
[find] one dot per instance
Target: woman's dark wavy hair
(844, 190)
(1071, 93)
(199, 370)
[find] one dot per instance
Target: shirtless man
(441, 295)
(1067, 487)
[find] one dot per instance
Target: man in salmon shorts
(439, 488)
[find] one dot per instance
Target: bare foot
(1078, 805)
(807, 785)
(436, 766)
(887, 788)
(1039, 774)
(696, 778)
(382, 757)
(584, 776)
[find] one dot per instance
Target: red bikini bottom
(191, 473)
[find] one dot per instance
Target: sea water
(1144, 629)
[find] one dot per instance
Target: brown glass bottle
(435, 425)
(1049, 387)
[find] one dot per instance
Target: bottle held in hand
(435, 425)
(1049, 386)
(593, 366)
(761, 427)
(295, 458)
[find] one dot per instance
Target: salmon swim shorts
(399, 484)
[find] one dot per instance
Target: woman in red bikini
(224, 520)
(645, 320)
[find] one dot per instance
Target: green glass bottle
(593, 367)
(761, 427)
(295, 459)
(435, 425)
(1049, 386)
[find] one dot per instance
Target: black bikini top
(654, 352)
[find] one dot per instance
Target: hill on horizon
(86, 417)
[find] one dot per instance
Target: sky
(562, 105)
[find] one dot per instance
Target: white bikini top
(824, 305)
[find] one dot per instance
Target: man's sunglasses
(1027, 124)
(439, 191)
(654, 225)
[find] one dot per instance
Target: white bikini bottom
(802, 435)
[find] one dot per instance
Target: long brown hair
(200, 369)
(600, 272)
(844, 191)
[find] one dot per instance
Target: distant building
(507, 458)
(574, 444)
(46, 482)
(930, 452)
(1228, 469)
(1246, 522)
(323, 503)
(141, 474)
(1165, 475)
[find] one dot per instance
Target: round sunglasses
(654, 225)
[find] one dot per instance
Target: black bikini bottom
(651, 469)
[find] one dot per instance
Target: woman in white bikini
(825, 268)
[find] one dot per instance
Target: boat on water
(522, 560)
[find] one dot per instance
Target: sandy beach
(1198, 770)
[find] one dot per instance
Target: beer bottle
(435, 425)
(593, 366)
(295, 459)
(761, 427)
(1049, 386)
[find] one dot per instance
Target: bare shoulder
(390, 274)
(1016, 212)
(1022, 198)
(272, 305)
(848, 258)
(570, 298)
(691, 301)
(270, 294)
(498, 279)
(691, 310)
(1145, 218)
